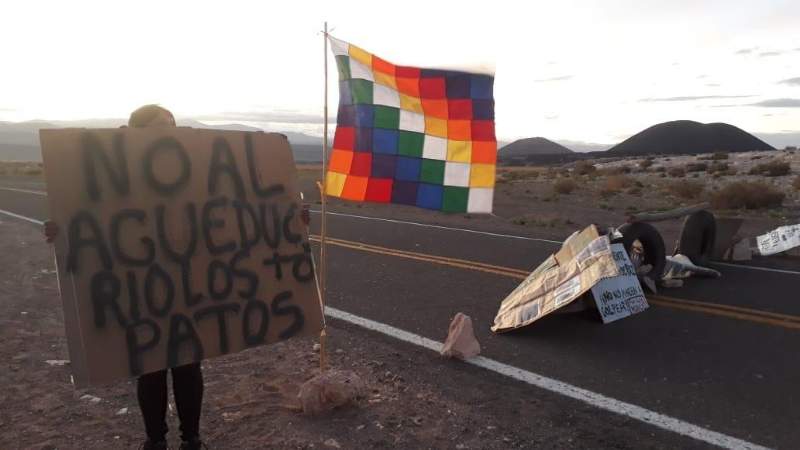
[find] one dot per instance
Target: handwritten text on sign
(621, 296)
(176, 245)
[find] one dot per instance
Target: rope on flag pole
(323, 357)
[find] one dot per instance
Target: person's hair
(143, 116)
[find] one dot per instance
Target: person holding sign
(187, 379)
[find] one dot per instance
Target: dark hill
(532, 146)
(689, 137)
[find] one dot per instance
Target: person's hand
(50, 230)
(305, 214)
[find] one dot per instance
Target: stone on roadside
(329, 390)
(461, 342)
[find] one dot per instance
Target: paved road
(731, 373)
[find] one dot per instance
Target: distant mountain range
(19, 141)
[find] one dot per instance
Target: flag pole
(323, 356)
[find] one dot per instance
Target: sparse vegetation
(645, 163)
(796, 183)
(696, 167)
(676, 172)
(772, 169)
(686, 189)
(717, 167)
(615, 184)
(584, 168)
(564, 186)
(717, 156)
(747, 195)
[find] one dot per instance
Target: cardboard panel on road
(175, 245)
(583, 260)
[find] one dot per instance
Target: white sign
(621, 296)
(779, 240)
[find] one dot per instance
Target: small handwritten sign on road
(621, 296)
(779, 240)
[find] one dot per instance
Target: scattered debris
(90, 398)
(329, 390)
(698, 236)
(56, 362)
(316, 348)
(680, 266)
(583, 260)
(741, 251)
(332, 443)
(122, 412)
(461, 342)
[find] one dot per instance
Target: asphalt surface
(733, 375)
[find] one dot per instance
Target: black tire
(655, 252)
(698, 236)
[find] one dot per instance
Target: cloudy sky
(592, 71)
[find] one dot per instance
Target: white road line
(17, 216)
(441, 227)
(465, 230)
(763, 269)
(26, 191)
(559, 387)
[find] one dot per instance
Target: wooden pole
(323, 356)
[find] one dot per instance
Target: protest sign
(175, 245)
(620, 296)
(779, 240)
(583, 260)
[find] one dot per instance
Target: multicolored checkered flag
(412, 136)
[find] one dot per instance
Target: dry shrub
(772, 169)
(717, 167)
(32, 171)
(676, 172)
(564, 186)
(796, 182)
(716, 156)
(645, 163)
(747, 195)
(615, 184)
(686, 189)
(696, 167)
(584, 168)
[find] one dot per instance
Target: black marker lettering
(223, 163)
(156, 273)
(136, 348)
(247, 241)
(250, 276)
(255, 178)
(215, 267)
(117, 171)
(104, 290)
(222, 324)
(208, 223)
(287, 226)
(116, 227)
(182, 332)
(160, 147)
(279, 309)
(252, 308)
(76, 242)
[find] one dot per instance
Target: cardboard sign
(175, 245)
(584, 259)
(620, 296)
(779, 240)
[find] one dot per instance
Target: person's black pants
(187, 387)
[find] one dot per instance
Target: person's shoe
(150, 445)
(193, 444)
